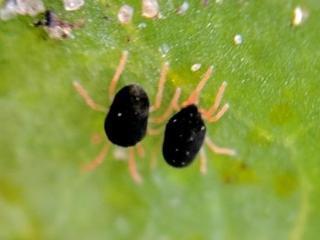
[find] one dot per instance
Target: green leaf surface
(269, 190)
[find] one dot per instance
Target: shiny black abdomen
(183, 137)
(126, 122)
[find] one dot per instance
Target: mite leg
(153, 162)
(219, 150)
(154, 131)
(213, 109)
(140, 150)
(174, 105)
(133, 167)
(98, 160)
(162, 81)
(86, 97)
(194, 96)
(219, 114)
(203, 161)
(96, 138)
(117, 74)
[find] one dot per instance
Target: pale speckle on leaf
(12, 8)
(299, 15)
(183, 8)
(142, 25)
(237, 39)
(150, 8)
(195, 67)
(59, 32)
(120, 154)
(164, 49)
(72, 5)
(125, 14)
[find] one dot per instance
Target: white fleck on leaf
(120, 154)
(237, 39)
(299, 15)
(125, 14)
(59, 32)
(195, 67)
(150, 8)
(23, 7)
(142, 25)
(72, 5)
(30, 7)
(164, 49)
(9, 10)
(183, 8)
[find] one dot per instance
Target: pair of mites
(126, 122)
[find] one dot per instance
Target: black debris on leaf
(55, 27)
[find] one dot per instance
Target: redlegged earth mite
(185, 131)
(126, 122)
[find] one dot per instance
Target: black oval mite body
(126, 122)
(183, 137)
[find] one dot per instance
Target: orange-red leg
(98, 160)
(219, 114)
(133, 167)
(162, 81)
(117, 74)
(174, 105)
(219, 150)
(213, 109)
(86, 97)
(154, 131)
(96, 138)
(140, 150)
(203, 161)
(153, 162)
(194, 96)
